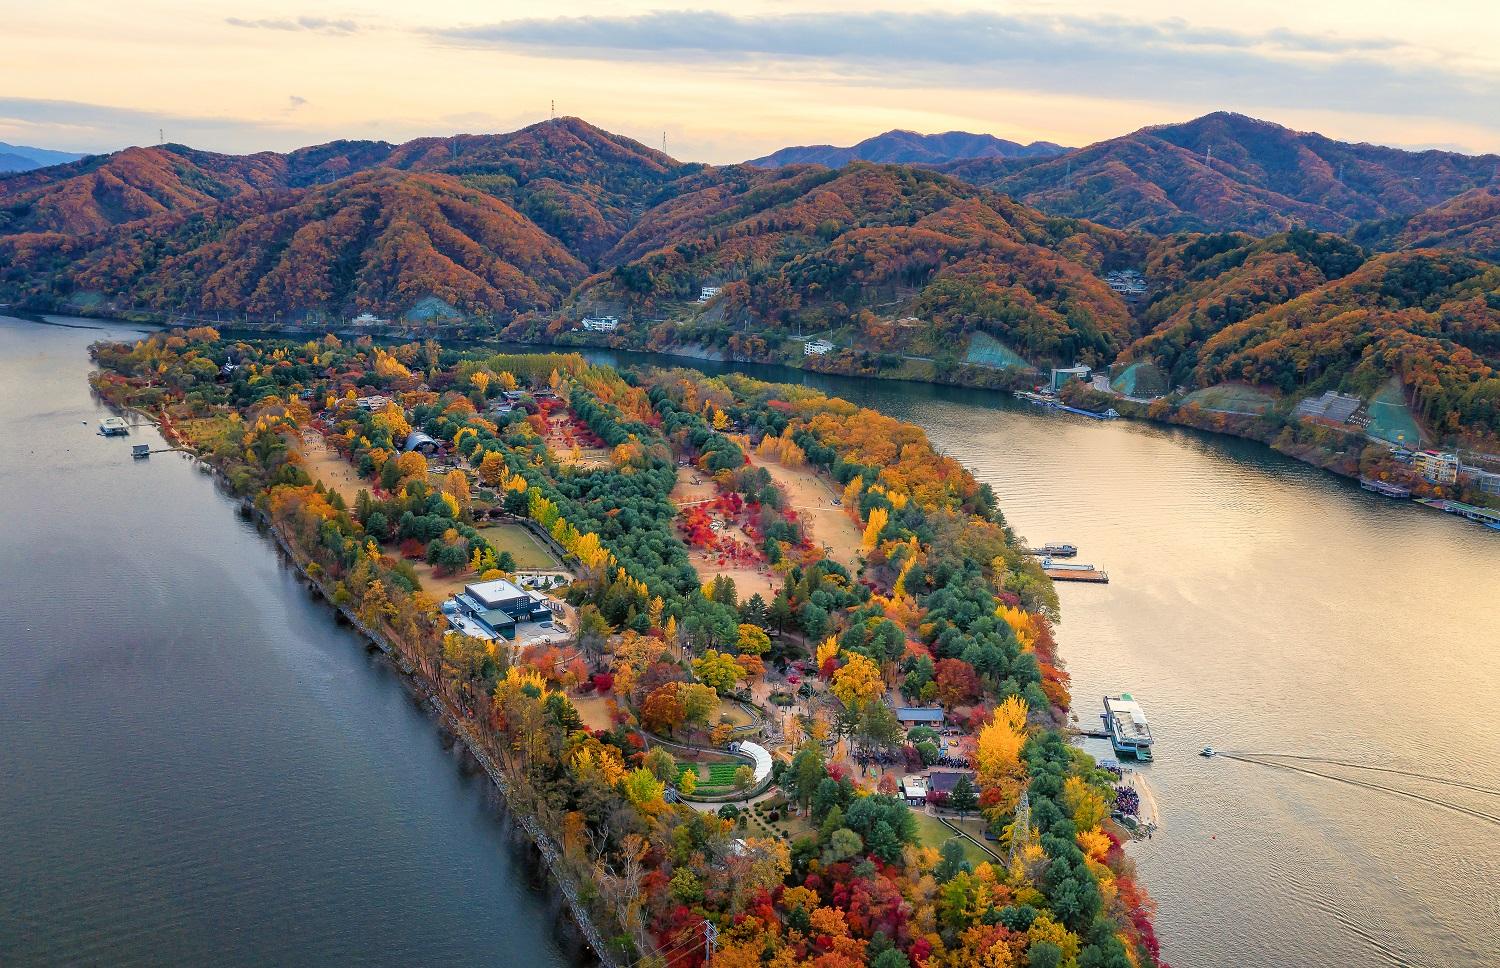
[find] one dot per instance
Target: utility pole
(554, 109)
(161, 136)
(710, 942)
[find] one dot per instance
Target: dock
(1091, 575)
(1485, 516)
(1383, 488)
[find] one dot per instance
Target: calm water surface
(1258, 604)
(197, 766)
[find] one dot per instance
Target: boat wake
(1274, 760)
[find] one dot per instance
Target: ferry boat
(114, 427)
(1125, 721)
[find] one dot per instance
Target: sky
(726, 81)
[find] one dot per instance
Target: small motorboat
(1208, 751)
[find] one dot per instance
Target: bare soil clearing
(812, 498)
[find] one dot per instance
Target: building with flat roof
(601, 324)
(1436, 467)
(493, 609)
(914, 790)
(1061, 375)
(817, 347)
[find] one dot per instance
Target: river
(197, 765)
(238, 773)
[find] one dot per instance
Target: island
(763, 676)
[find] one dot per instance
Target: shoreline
(1004, 380)
(449, 720)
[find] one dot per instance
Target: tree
(953, 861)
(964, 798)
(857, 682)
(753, 640)
(878, 725)
(957, 684)
(492, 469)
(997, 757)
(663, 710)
(717, 669)
(743, 777)
(661, 764)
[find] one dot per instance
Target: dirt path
(812, 498)
(325, 464)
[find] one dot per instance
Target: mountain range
(1226, 171)
(895, 264)
(25, 158)
(910, 148)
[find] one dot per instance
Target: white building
(601, 324)
(707, 293)
(1439, 468)
(817, 347)
(367, 319)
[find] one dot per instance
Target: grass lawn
(731, 713)
(1231, 398)
(932, 833)
(523, 546)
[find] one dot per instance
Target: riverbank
(1341, 453)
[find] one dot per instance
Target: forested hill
(910, 148)
(1229, 172)
(581, 183)
(1468, 223)
(380, 240)
(806, 249)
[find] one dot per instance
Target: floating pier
(1383, 488)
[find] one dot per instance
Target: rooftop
(491, 593)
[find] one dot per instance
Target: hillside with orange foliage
(815, 246)
(374, 240)
(1227, 171)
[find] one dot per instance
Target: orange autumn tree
(997, 758)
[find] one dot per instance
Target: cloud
(320, 25)
(1163, 60)
(294, 102)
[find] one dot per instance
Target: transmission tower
(1020, 832)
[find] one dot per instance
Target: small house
(914, 790)
(942, 784)
(910, 716)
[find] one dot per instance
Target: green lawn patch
(523, 546)
(932, 832)
(1232, 398)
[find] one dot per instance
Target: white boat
(1129, 733)
(113, 427)
(1208, 751)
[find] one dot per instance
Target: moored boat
(113, 427)
(1125, 721)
